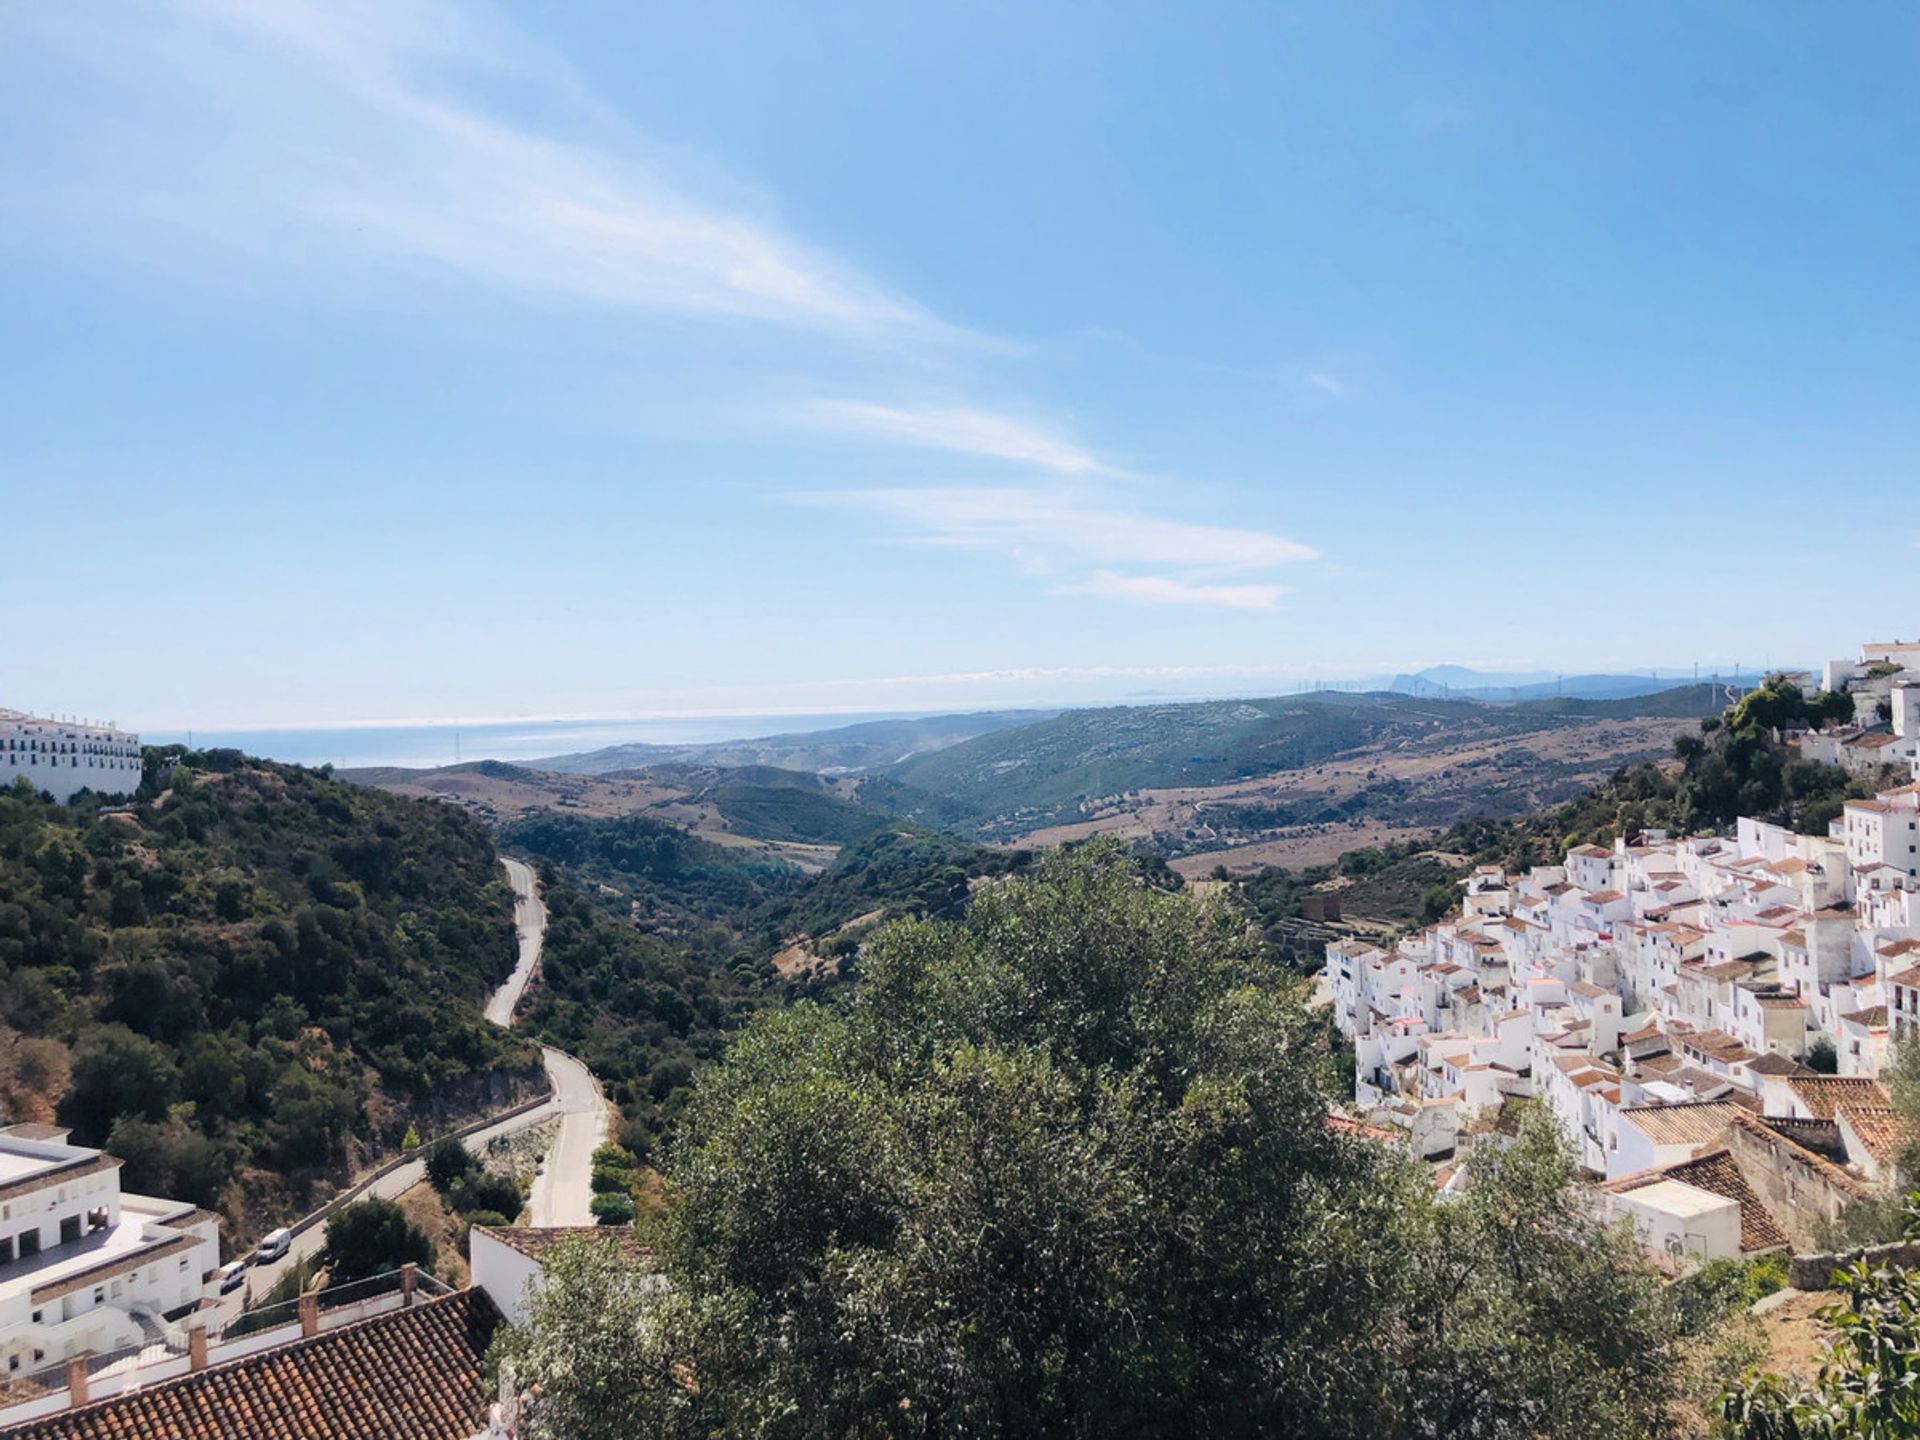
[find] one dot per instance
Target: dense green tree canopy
(1064, 1167)
(371, 1237)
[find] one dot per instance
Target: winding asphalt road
(530, 920)
(563, 1190)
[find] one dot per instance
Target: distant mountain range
(1004, 773)
(1460, 682)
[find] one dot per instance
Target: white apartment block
(64, 757)
(83, 1267)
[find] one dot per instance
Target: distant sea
(422, 746)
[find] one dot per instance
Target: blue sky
(398, 359)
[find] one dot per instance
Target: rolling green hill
(1029, 774)
(769, 803)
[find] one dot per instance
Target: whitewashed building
(1650, 991)
(64, 757)
(83, 1267)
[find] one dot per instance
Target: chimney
(77, 1380)
(409, 1277)
(310, 1314)
(197, 1349)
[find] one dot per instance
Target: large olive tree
(1063, 1168)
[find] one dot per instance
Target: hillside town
(1707, 1017)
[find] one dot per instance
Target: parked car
(231, 1275)
(274, 1246)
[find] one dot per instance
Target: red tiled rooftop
(415, 1374)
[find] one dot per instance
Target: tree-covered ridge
(902, 869)
(641, 1013)
(729, 904)
(675, 881)
(648, 1004)
(252, 967)
(1064, 1167)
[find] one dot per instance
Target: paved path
(563, 1189)
(308, 1243)
(530, 920)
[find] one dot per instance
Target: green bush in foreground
(1063, 1168)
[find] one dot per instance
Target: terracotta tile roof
(416, 1374)
(1775, 1064)
(538, 1244)
(1339, 1124)
(1823, 1095)
(58, 1175)
(1693, 1124)
(1716, 1174)
(1758, 1127)
(1877, 1126)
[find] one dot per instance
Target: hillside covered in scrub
(249, 975)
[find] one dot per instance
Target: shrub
(370, 1237)
(484, 1190)
(612, 1209)
(447, 1162)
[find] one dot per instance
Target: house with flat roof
(85, 1268)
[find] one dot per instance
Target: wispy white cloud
(961, 430)
(343, 129)
(394, 136)
(1090, 546)
(1166, 590)
(1327, 384)
(1057, 528)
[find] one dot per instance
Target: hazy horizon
(425, 743)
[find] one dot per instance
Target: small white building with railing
(83, 1267)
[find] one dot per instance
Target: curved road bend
(563, 1190)
(530, 921)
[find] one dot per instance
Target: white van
(230, 1276)
(274, 1246)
